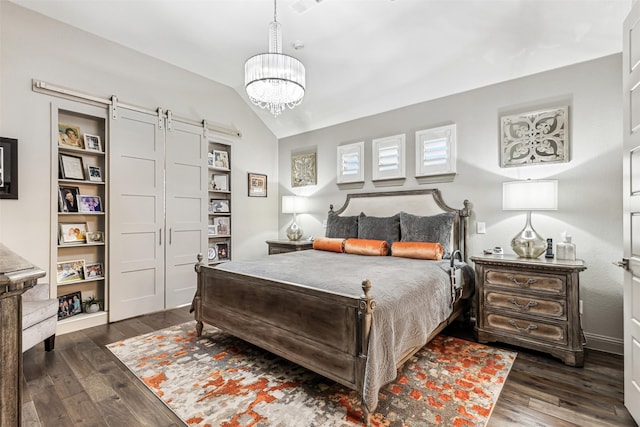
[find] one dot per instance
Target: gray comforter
(412, 298)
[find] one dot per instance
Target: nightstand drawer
(556, 333)
(525, 304)
(554, 285)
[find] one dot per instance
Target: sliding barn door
(136, 220)
(186, 209)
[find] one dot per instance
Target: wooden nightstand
(284, 246)
(533, 303)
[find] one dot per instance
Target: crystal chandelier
(274, 80)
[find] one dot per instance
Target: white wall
(33, 46)
(590, 185)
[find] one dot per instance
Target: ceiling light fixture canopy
(274, 80)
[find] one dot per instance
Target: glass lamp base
(295, 233)
(527, 243)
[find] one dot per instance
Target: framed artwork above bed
(350, 166)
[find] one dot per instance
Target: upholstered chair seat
(39, 317)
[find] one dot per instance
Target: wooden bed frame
(324, 332)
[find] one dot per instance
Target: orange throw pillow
(366, 247)
(418, 250)
(331, 244)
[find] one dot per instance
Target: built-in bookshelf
(219, 182)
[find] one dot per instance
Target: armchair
(39, 317)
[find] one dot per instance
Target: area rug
(220, 381)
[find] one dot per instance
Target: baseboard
(604, 343)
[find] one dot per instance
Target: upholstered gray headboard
(427, 202)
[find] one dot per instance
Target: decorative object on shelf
(566, 250)
(220, 159)
(257, 185)
(70, 271)
(219, 205)
(212, 254)
(69, 136)
(71, 167)
(67, 199)
(219, 182)
(72, 233)
(89, 203)
(549, 252)
(222, 225)
(294, 205)
(529, 195)
(92, 142)
(95, 237)
(223, 251)
(92, 304)
(94, 173)
(8, 168)
(212, 230)
(350, 167)
(303, 170)
(274, 80)
(388, 157)
(436, 151)
(535, 137)
(93, 271)
(69, 305)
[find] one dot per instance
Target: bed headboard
(425, 202)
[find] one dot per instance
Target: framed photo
(213, 230)
(93, 271)
(72, 233)
(67, 198)
(92, 142)
(71, 167)
(95, 236)
(257, 185)
(220, 159)
(69, 305)
(8, 168)
(95, 173)
(69, 136)
(222, 225)
(212, 254)
(219, 182)
(303, 170)
(223, 251)
(89, 203)
(70, 271)
(220, 205)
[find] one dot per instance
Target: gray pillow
(345, 227)
(379, 228)
(436, 228)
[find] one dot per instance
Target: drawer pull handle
(520, 328)
(526, 284)
(526, 306)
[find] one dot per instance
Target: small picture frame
(92, 143)
(257, 185)
(219, 182)
(222, 224)
(68, 199)
(70, 271)
(95, 236)
(89, 203)
(223, 251)
(69, 305)
(220, 205)
(220, 159)
(212, 230)
(69, 136)
(71, 167)
(72, 233)
(94, 173)
(93, 271)
(212, 254)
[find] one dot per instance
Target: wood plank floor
(81, 383)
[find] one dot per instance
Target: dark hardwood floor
(81, 383)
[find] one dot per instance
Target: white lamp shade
(530, 195)
(294, 204)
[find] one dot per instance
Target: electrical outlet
(481, 228)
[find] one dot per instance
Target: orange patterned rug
(219, 380)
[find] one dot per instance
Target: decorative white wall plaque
(436, 151)
(388, 157)
(536, 137)
(350, 167)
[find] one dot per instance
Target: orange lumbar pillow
(366, 247)
(419, 250)
(331, 244)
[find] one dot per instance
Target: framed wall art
(436, 151)
(536, 137)
(388, 157)
(350, 167)
(8, 168)
(257, 185)
(303, 170)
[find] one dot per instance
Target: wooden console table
(17, 275)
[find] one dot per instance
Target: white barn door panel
(186, 209)
(136, 191)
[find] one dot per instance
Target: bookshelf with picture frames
(219, 203)
(79, 220)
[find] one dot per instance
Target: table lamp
(529, 195)
(294, 205)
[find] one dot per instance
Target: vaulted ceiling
(362, 56)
